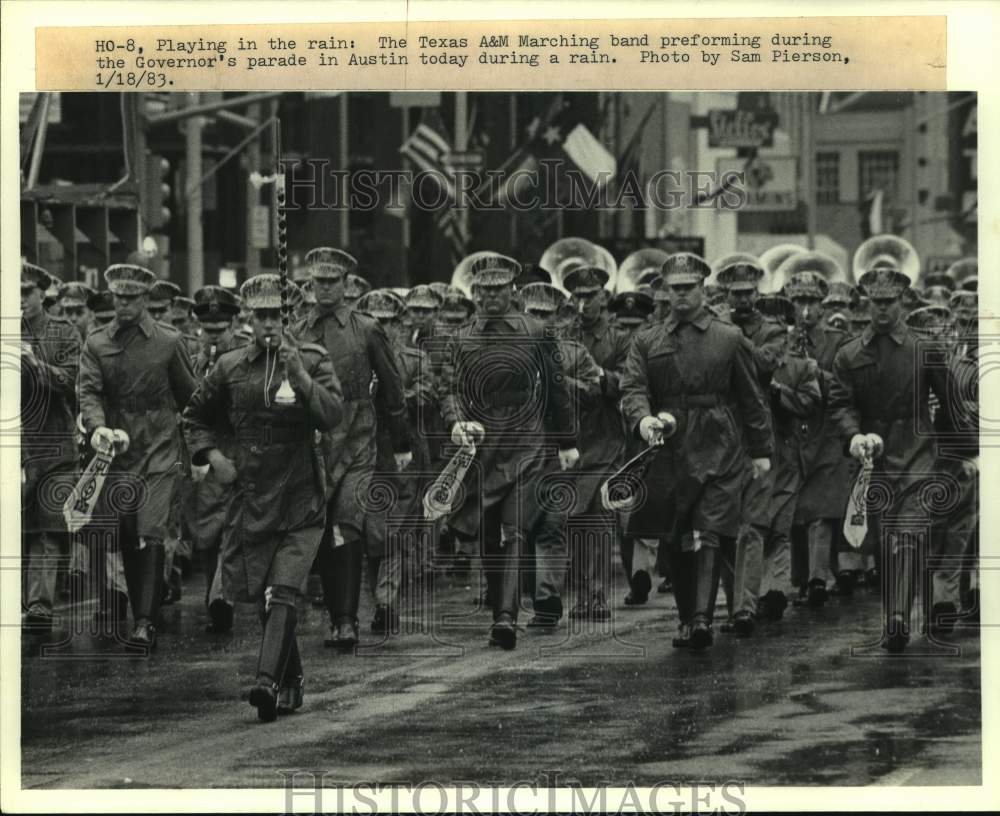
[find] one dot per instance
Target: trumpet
(285, 395)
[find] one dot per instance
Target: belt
(273, 435)
(682, 401)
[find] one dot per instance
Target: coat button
(255, 449)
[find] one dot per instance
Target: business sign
(741, 128)
(769, 182)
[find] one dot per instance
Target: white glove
(103, 439)
(121, 440)
(859, 447)
(875, 445)
(403, 460)
(761, 467)
(467, 433)
(568, 458)
(650, 429)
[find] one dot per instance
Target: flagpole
(461, 145)
(512, 110)
(345, 224)
(405, 222)
(808, 153)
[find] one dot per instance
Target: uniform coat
(504, 372)
(702, 372)
(48, 426)
(275, 520)
(138, 378)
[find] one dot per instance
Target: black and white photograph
(444, 438)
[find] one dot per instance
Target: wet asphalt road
(809, 700)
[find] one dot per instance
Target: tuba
(964, 274)
(569, 253)
(462, 276)
(886, 250)
(637, 266)
(770, 260)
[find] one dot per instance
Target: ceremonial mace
(285, 395)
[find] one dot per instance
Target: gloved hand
(875, 444)
(103, 439)
(970, 468)
(121, 440)
(650, 429)
(467, 433)
(568, 458)
(859, 447)
(761, 467)
(403, 460)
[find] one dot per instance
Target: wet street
(810, 700)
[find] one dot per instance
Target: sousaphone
(569, 253)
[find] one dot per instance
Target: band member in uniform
(699, 369)
(275, 520)
(161, 295)
(503, 392)
(50, 301)
(360, 350)
(135, 376)
(215, 309)
(102, 309)
(879, 404)
(355, 287)
(387, 553)
(547, 538)
(181, 316)
(741, 569)
(422, 305)
(50, 350)
(632, 310)
(605, 435)
(823, 497)
(73, 297)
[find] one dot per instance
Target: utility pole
(808, 157)
(252, 253)
(345, 221)
(461, 144)
(195, 238)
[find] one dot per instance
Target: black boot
(705, 583)
(275, 648)
(292, 684)
(148, 583)
(548, 611)
(341, 572)
(641, 584)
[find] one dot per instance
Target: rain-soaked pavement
(807, 701)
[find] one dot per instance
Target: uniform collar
(701, 320)
(145, 325)
(513, 319)
(342, 312)
(898, 334)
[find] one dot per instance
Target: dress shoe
(36, 623)
(846, 581)
(743, 624)
(641, 585)
(817, 592)
(503, 633)
(942, 620)
(543, 621)
(220, 614)
(143, 634)
(701, 635)
(290, 696)
(683, 638)
(897, 635)
(772, 605)
(581, 609)
(548, 613)
(386, 620)
(264, 697)
(343, 635)
(599, 608)
(665, 586)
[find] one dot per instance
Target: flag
(428, 148)
(871, 214)
(452, 226)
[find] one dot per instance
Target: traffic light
(156, 192)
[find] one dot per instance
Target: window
(878, 170)
(827, 178)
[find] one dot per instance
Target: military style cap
(632, 306)
(541, 297)
(585, 279)
(423, 297)
(74, 290)
(965, 274)
(936, 295)
(356, 286)
(262, 291)
(164, 292)
(532, 273)
(740, 275)
(651, 277)
(456, 302)
(215, 303)
(183, 302)
(777, 306)
(129, 279)
(441, 288)
(859, 315)
(101, 304)
(327, 262)
(381, 304)
(714, 294)
(806, 285)
(965, 304)
(883, 281)
(841, 295)
(33, 275)
(929, 320)
(494, 270)
(685, 267)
